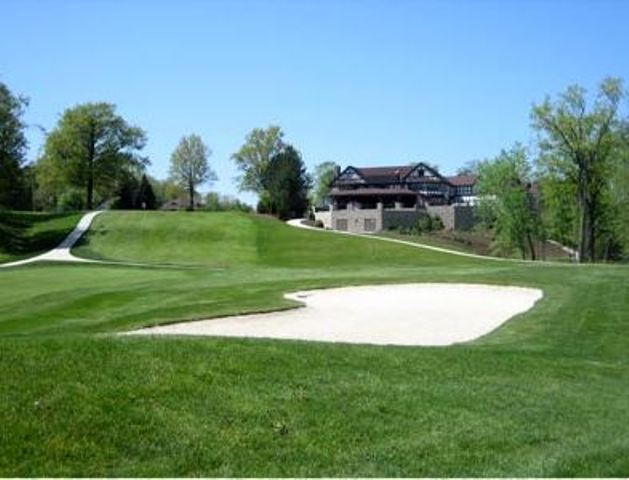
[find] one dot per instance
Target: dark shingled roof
(392, 175)
(460, 180)
(384, 171)
(383, 174)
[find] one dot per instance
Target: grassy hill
(25, 234)
(236, 239)
(544, 395)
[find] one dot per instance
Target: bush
(429, 223)
(71, 200)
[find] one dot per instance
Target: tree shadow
(25, 233)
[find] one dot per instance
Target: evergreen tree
(286, 183)
(146, 197)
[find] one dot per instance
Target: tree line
(571, 187)
(93, 157)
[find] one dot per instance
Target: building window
(341, 224)
(370, 225)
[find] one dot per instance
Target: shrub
(70, 200)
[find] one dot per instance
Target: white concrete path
(62, 252)
(298, 222)
(411, 314)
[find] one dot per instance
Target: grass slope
(24, 234)
(545, 395)
(238, 239)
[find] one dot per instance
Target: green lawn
(544, 395)
(24, 234)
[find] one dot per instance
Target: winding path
(62, 252)
(298, 222)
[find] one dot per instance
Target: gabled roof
(397, 174)
(351, 171)
(386, 175)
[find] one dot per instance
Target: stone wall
(454, 217)
(325, 217)
(355, 220)
(406, 217)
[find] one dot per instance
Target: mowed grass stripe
(187, 238)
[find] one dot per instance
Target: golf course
(545, 394)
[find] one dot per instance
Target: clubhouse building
(368, 200)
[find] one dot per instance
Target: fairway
(543, 395)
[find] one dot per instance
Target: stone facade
(373, 220)
(356, 220)
(454, 217)
(372, 199)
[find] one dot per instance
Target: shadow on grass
(25, 233)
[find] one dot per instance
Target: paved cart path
(62, 252)
(299, 223)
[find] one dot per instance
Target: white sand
(412, 314)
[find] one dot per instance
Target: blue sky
(356, 82)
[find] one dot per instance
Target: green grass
(544, 395)
(24, 234)
(227, 240)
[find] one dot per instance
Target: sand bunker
(412, 314)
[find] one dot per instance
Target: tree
(127, 193)
(507, 203)
(166, 190)
(469, 168)
(324, 173)
(559, 212)
(215, 202)
(12, 147)
(615, 238)
(90, 148)
(578, 144)
(286, 183)
(189, 165)
(254, 157)
(146, 197)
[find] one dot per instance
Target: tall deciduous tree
(559, 210)
(12, 146)
(286, 183)
(504, 188)
(189, 165)
(90, 147)
(324, 173)
(578, 144)
(254, 157)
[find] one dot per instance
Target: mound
(229, 239)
